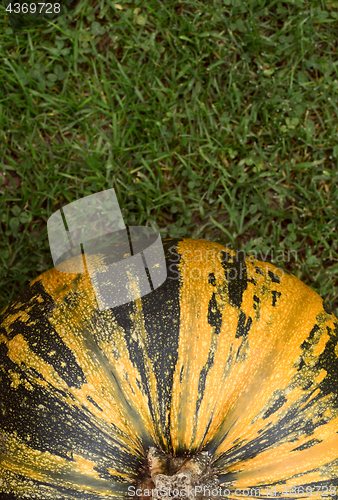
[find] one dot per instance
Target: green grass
(211, 119)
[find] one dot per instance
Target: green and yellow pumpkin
(225, 376)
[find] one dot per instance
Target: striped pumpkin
(226, 375)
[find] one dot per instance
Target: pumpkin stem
(179, 478)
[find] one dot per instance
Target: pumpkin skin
(229, 356)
